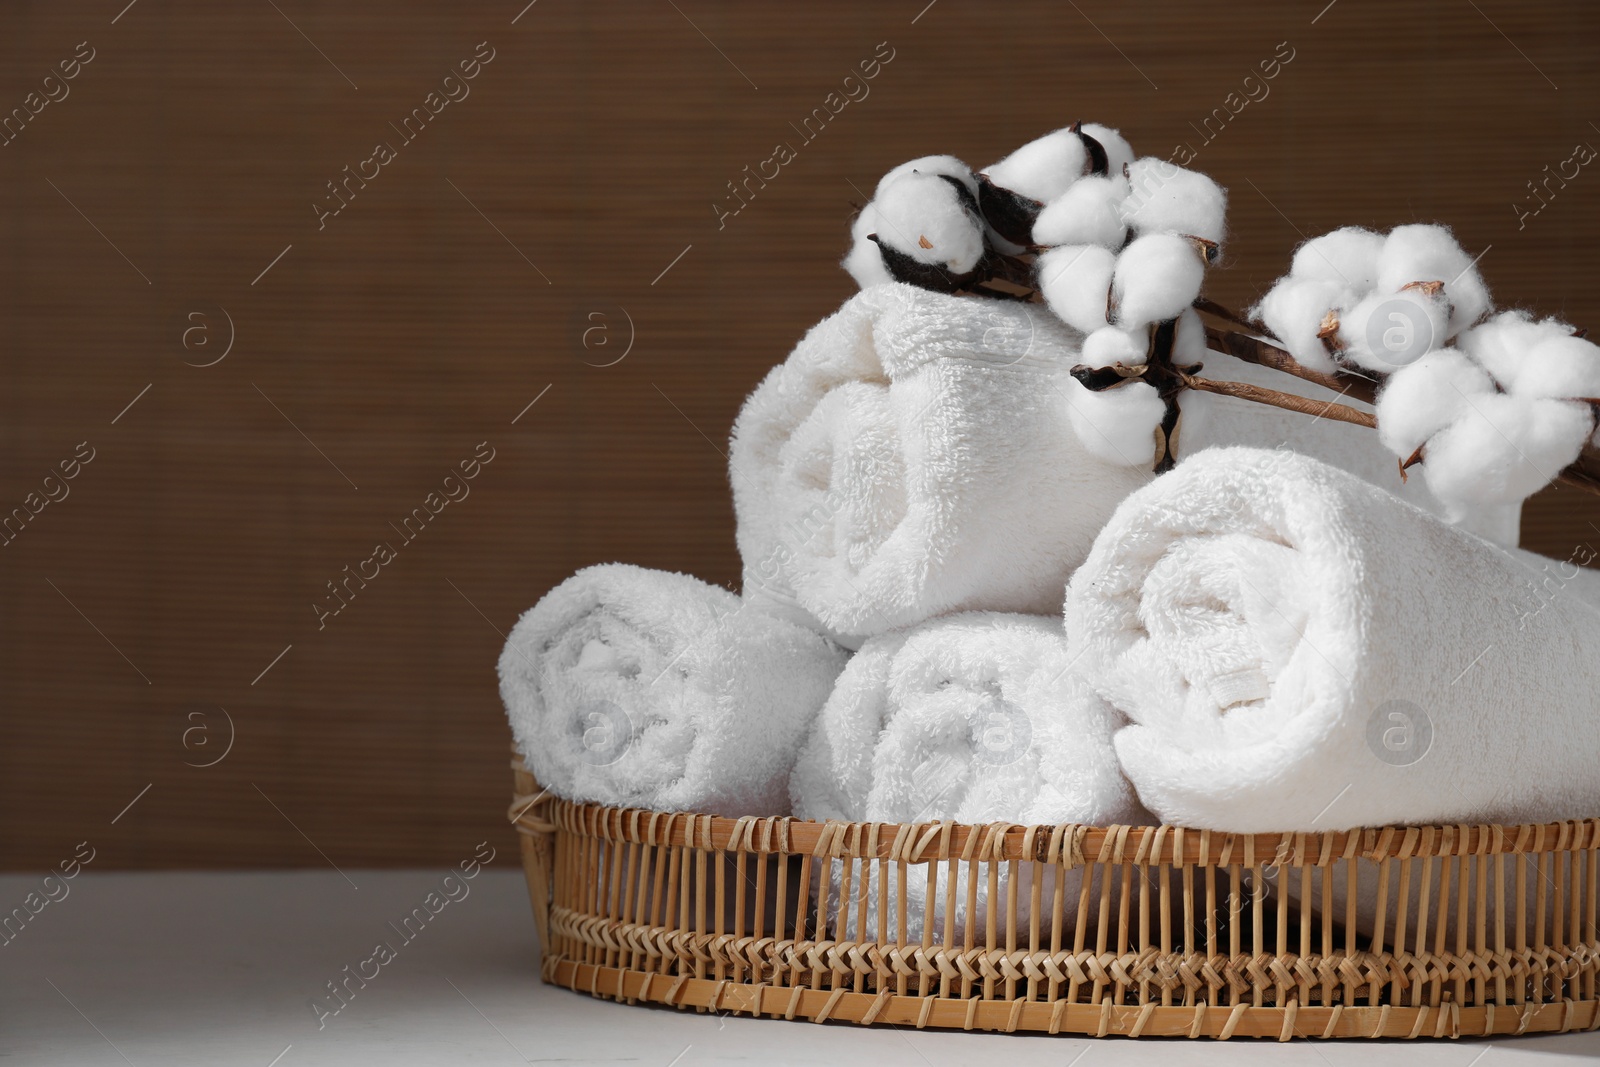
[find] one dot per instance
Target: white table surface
(216, 969)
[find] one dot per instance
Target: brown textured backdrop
(457, 285)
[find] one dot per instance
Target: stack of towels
(967, 595)
(953, 610)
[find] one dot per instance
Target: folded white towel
(975, 717)
(642, 688)
(1301, 651)
(913, 457)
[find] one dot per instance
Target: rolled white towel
(643, 688)
(914, 456)
(919, 454)
(1298, 650)
(976, 717)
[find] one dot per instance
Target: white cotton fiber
(949, 166)
(1503, 449)
(1076, 282)
(864, 261)
(1419, 253)
(1166, 198)
(1469, 300)
(1043, 168)
(1387, 331)
(1199, 414)
(1088, 213)
(1118, 425)
(925, 217)
(1119, 153)
(1501, 342)
(1156, 277)
(1426, 253)
(1189, 338)
(1293, 311)
(1422, 399)
(1560, 367)
(1347, 257)
(1108, 346)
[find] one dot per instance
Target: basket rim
(631, 985)
(537, 810)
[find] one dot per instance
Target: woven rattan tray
(1141, 931)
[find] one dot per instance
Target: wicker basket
(1474, 930)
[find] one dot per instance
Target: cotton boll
(932, 219)
(1156, 277)
(1426, 253)
(1043, 168)
(864, 261)
(1500, 343)
(1118, 425)
(1075, 281)
(1166, 198)
(953, 169)
(1419, 253)
(1423, 398)
(1294, 310)
(1347, 257)
(1503, 450)
(1088, 213)
(1560, 367)
(1189, 339)
(949, 166)
(1387, 331)
(1108, 346)
(1119, 153)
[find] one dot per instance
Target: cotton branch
(1583, 475)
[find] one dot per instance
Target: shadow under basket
(1398, 932)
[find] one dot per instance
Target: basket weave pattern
(1474, 930)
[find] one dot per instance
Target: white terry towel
(976, 717)
(1298, 650)
(643, 688)
(913, 456)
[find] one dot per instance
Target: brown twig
(1327, 409)
(1266, 354)
(1169, 380)
(1258, 347)
(1221, 311)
